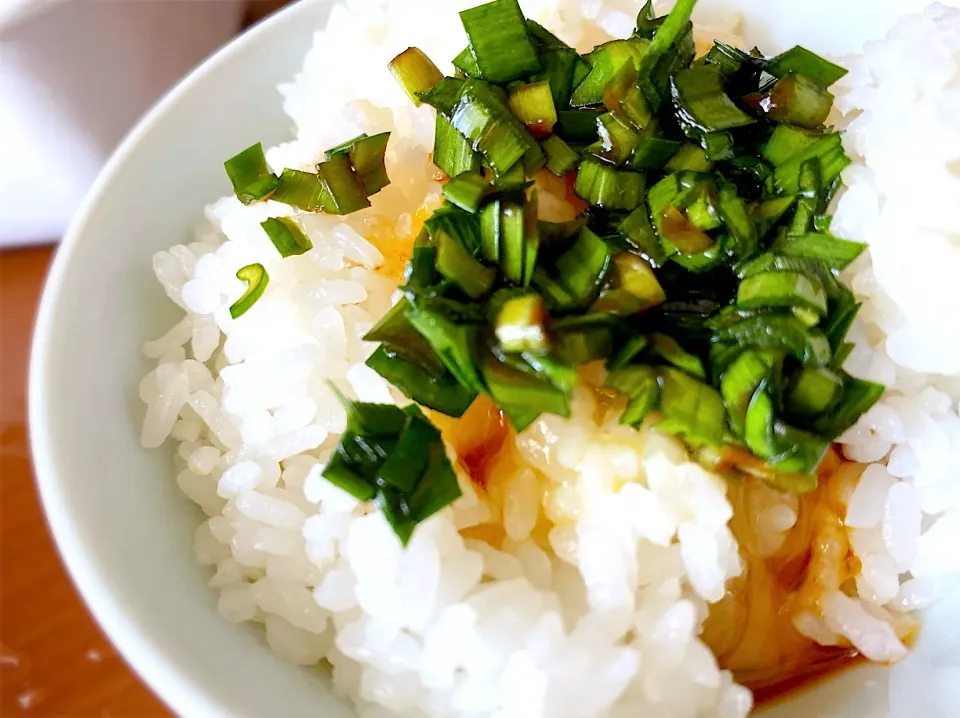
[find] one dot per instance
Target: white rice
(586, 592)
(899, 107)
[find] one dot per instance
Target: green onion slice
(467, 190)
(250, 176)
(286, 236)
(499, 41)
(521, 325)
(256, 279)
(800, 61)
(415, 72)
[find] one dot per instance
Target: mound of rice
(579, 585)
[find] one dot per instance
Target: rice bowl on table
(574, 360)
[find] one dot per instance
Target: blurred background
(75, 75)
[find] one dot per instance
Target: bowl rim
(176, 688)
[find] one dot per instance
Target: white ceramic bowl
(122, 526)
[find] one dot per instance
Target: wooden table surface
(54, 660)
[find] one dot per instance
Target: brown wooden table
(54, 660)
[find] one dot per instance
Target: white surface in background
(74, 77)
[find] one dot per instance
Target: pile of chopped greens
(702, 270)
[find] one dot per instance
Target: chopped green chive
(521, 325)
(286, 236)
(800, 61)
(533, 105)
(499, 41)
(415, 72)
(561, 158)
(256, 279)
(467, 190)
(251, 178)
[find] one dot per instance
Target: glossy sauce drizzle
(751, 631)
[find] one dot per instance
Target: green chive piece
(617, 141)
(438, 487)
(531, 238)
(773, 262)
(452, 152)
(340, 472)
(286, 236)
(689, 158)
(491, 231)
(512, 243)
(605, 62)
(624, 99)
(828, 149)
(690, 408)
(523, 392)
(836, 253)
(499, 40)
(603, 185)
(667, 40)
(395, 457)
(415, 72)
(513, 180)
(733, 212)
(813, 391)
(466, 63)
(758, 424)
(561, 158)
(702, 103)
(484, 119)
(857, 398)
(408, 461)
(396, 332)
(458, 265)
(840, 319)
(641, 385)
(797, 452)
(443, 96)
(640, 234)
(344, 147)
(583, 268)
(628, 352)
(455, 343)
(779, 332)
(533, 105)
(798, 101)
(809, 185)
(303, 190)
(800, 61)
(521, 325)
(740, 382)
(653, 153)
(669, 349)
(786, 142)
(766, 214)
(559, 67)
(467, 190)
(440, 392)
(250, 176)
(581, 342)
(256, 279)
(634, 287)
(346, 191)
(577, 126)
(367, 155)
